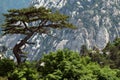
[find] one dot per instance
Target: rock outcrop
(98, 22)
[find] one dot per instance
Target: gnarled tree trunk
(17, 48)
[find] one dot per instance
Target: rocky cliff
(98, 22)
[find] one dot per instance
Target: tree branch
(26, 27)
(42, 23)
(17, 48)
(30, 43)
(53, 25)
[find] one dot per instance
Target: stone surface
(98, 22)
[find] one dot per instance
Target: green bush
(59, 65)
(6, 66)
(25, 71)
(68, 65)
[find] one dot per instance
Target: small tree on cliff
(17, 22)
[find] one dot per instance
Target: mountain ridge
(97, 21)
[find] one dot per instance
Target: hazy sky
(7, 4)
(10, 4)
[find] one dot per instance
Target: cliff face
(98, 22)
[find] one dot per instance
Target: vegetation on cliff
(68, 65)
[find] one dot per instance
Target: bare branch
(30, 43)
(26, 27)
(53, 25)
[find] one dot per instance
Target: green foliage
(68, 65)
(109, 56)
(6, 66)
(113, 57)
(25, 71)
(32, 14)
(59, 65)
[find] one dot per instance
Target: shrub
(68, 65)
(6, 66)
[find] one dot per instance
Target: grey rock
(98, 22)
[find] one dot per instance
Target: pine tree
(17, 21)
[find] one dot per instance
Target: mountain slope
(98, 22)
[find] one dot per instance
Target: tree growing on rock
(17, 22)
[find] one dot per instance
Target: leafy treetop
(45, 17)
